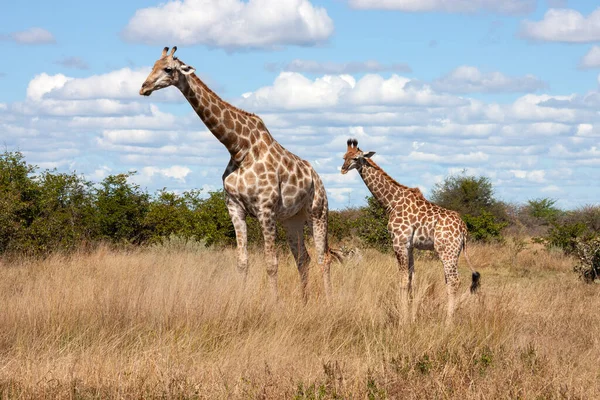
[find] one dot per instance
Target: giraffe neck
(230, 125)
(382, 186)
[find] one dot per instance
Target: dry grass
(174, 322)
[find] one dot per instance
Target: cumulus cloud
(470, 158)
(537, 176)
(231, 24)
(316, 67)
(30, 36)
(73, 62)
(331, 91)
(509, 7)
(563, 25)
(469, 79)
(591, 59)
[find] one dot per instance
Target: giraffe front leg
(269, 229)
(403, 254)
(238, 218)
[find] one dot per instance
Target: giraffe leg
(269, 229)
(403, 252)
(323, 259)
(450, 262)
(238, 218)
(295, 236)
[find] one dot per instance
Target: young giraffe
(414, 222)
(262, 178)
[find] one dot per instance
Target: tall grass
(175, 321)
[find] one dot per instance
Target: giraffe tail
(475, 276)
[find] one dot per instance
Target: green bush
(121, 208)
(485, 227)
(543, 210)
(473, 198)
(64, 214)
(371, 226)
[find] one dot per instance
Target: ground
(173, 321)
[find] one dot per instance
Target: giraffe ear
(187, 69)
(369, 154)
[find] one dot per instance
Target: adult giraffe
(414, 222)
(262, 178)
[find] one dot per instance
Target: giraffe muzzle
(145, 91)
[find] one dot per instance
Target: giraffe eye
(168, 70)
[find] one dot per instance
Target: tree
(543, 209)
(121, 208)
(473, 198)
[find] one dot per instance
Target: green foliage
(120, 210)
(473, 198)
(485, 227)
(64, 214)
(18, 192)
(371, 226)
(214, 224)
(564, 235)
(543, 209)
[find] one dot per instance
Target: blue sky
(506, 89)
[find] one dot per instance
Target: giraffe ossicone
(262, 179)
(413, 223)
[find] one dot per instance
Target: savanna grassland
(173, 321)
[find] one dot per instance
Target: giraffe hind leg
(294, 228)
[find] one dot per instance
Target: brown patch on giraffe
(267, 138)
(211, 122)
(228, 123)
(215, 110)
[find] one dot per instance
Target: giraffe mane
(416, 191)
(209, 90)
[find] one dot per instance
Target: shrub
(543, 210)
(473, 198)
(121, 209)
(371, 225)
(484, 227)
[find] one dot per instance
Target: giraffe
(414, 222)
(262, 179)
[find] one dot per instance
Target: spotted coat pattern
(413, 222)
(262, 179)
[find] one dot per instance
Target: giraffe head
(354, 157)
(167, 71)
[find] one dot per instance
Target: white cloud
(469, 158)
(563, 25)
(146, 174)
(537, 176)
(33, 35)
(231, 23)
(468, 79)
(588, 130)
(293, 91)
(316, 67)
(43, 83)
(138, 136)
(551, 189)
(454, 6)
(591, 59)
(531, 107)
